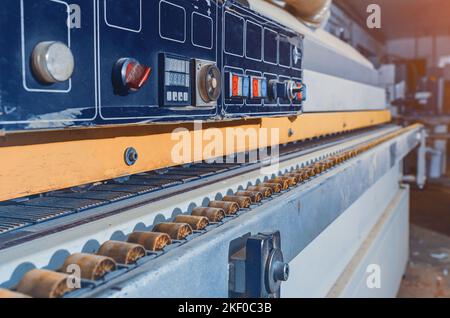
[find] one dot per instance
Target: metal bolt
(281, 271)
(131, 156)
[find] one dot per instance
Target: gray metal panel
(324, 60)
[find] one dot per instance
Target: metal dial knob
(129, 75)
(210, 83)
(294, 90)
(52, 62)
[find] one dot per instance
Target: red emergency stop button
(130, 75)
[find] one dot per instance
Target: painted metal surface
(55, 160)
(377, 268)
(315, 271)
(327, 93)
(165, 37)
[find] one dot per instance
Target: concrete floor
(427, 274)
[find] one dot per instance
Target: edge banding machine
(93, 204)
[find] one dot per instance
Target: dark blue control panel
(79, 63)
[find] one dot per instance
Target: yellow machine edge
(33, 163)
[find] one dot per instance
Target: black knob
(210, 83)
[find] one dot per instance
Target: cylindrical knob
(273, 90)
(293, 89)
(129, 75)
(209, 83)
(52, 62)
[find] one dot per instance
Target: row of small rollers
(40, 283)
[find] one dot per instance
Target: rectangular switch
(238, 85)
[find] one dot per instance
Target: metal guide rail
(115, 258)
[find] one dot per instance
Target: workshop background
(415, 38)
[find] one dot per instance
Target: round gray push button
(52, 62)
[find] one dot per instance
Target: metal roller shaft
(40, 283)
(291, 181)
(93, 267)
(230, 208)
(122, 252)
(284, 184)
(243, 202)
(151, 241)
(177, 231)
(197, 223)
(255, 196)
(275, 186)
(213, 214)
(266, 191)
(297, 176)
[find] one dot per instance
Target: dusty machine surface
(99, 99)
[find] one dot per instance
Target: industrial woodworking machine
(290, 183)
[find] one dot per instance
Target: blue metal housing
(101, 32)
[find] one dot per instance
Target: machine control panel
(176, 79)
(262, 61)
(108, 62)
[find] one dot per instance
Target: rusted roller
(284, 184)
(41, 283)
(276, 187)
(197, 223)
(151, 241)
(327, 164)
(230, 208)
(122, 252)
(243, 202)
(332, 161)
(93, 267)
(307, 174)
(294, 176)
(177, 231)
(342, 158)
(302, 174)
(291, 180)
(255, 196)
(266, 191)
(213, 214)
(5, 293)
(320, 167)
(311, 171)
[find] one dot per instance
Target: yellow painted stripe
(33, 163)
